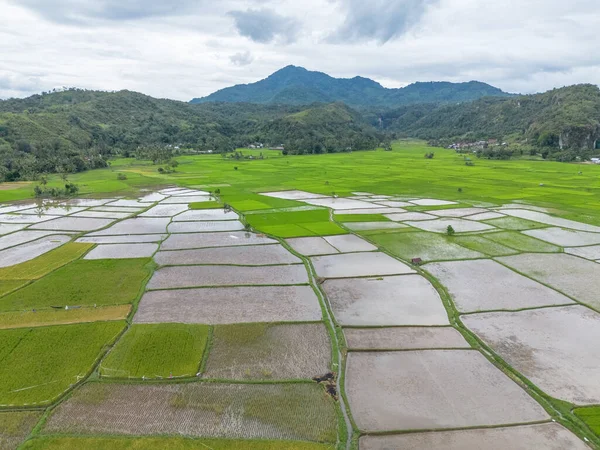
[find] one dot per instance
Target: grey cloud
(379, 20)
(78, 11)
(242, 58)
(264, 25)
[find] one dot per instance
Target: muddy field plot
(427, 246)
(276, 411)
(312, 246)
(433, 389)
(547, 436)
(206, 214)
(400, 300)
(404, 338)
(123, 239)
(292, 195)
(592, 252)
(550, 220)
(73, 224)
(482, 285)
(31, 250)
(350, 243)
(574, 276)
(358, 265)
(157, 351)
(204, 240)
(459, 225)
(549, 346)
(231, 305)
(369, 226)
(138, 225)
(341, 203)
(122, 251)
(16, 426)
(565, 238)
(39, 364)
(205, 227)
(259, 255)
(431, 202)
(457, 212)
(196, 276)
(269, 352)
(21, 237)
(164, 211)
(6, 228)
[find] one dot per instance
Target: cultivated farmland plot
(481, 285)
(548, 436)
(399, 300)
(31, 250)
(230, 305)
(269, 352)
(433, 389)
(549, 347)
(259, 255)
(275, 411)
(196, 276)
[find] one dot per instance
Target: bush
(450, 231)
(121, 177)
(429, 155)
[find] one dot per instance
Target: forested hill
(298, 86)
(77, 130)
(566, 118)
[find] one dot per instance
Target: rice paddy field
(359, 301)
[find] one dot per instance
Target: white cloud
(185, 49)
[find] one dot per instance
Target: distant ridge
(297, 86)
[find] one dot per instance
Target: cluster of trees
(562, 124)
(75, 130)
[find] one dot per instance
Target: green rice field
(39, 364)
(157, 351)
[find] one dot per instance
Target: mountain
(297, 86)
(561, 119)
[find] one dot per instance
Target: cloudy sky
(189, 48)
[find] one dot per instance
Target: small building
(416, 261)
(595, 160)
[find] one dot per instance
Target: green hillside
(297, 86)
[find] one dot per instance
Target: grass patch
(15, 426)
(157, 351)
(515, 223)
(161, 443)
(7, 286)
(46, 263)
(591, 417)
(25, 319)
(289, 224)
(427, 246)
(361, 218)
(482, 245)
(206, 205)
(83, 283)
(521, 242)
(39, 364)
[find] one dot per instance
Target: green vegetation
(295, 224)
(7, 286)
(521, 242)
(83, 283)
(206, 205)
(360, 218)
(480, 244)
(296, 85)
(591, 416)
(536, 124)
(161, 443)
(26, 319)
(427, 246)
(42, 265)
(15, 426)
(39, 364)
(515, 223)
(157, 351)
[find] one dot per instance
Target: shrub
(121, 177)
(450, 231)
